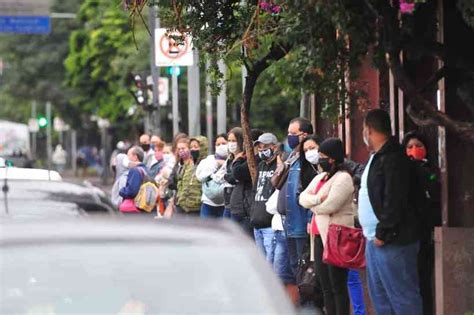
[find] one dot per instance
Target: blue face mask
(293, 141)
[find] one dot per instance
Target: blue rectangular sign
(25, 24)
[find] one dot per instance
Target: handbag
(214, 191)
(128, 205)
(307, 280)
(345, 247)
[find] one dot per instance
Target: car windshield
(173, 277)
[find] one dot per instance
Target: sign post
(173, 50)
(25, 16)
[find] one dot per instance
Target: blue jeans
(356, 292)
(281, 261)
(226, 213)
(264, 238)
(393, 278)
(244, 223)
(296, 247)
(208, 211)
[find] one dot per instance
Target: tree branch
(434, 79)
(423, 111)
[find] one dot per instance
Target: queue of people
(309, 202)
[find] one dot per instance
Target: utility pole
(175, 94)
(194, 98)
(209, 117)
(155, 114)
(33, 134)
(222, 101)
(49, 145)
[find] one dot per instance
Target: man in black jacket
(260, 219)
(387, 213)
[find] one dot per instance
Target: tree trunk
(250, 82)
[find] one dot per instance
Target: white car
(28, 173)
(131, 266)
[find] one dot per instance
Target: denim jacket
(296, 216)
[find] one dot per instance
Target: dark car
(43, 198)
(123, 266)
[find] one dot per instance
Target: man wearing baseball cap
(261, 220)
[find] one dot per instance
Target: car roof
(120, 229)
(29, 174)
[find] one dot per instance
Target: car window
(173, 277)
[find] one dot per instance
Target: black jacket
(391, 193)
(242, 193)
(263, 189)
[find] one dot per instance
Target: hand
(379, 243)
(324, 197)
(308, 228)
(279, 161)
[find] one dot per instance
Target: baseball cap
(266, 138)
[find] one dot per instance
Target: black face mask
(145, 147)
(325, 165)
(195, 155)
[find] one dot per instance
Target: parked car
(28, 173)
(50, 198)
(123, 266)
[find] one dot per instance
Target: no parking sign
(169, 52)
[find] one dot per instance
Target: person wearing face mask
(145, 144)
(428, 177)
(209, 169)
(329, 196)
(121, 168)
(158, 161)
(295, 217)
(388, 215)
(234, 145)
(260, 219)
(189, 190)
(242, 193)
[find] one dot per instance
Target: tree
(102, 57)
(34, 69)
(321, 44)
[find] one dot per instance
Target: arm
(173, 178)
(132, 187)
(307, 198)
(206, 168)
(240, 170)
(341, 190)
(396, 189)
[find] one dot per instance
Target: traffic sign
(170, 52)
(58, 124)
(25, 16)
(164, 91)
(33, 125)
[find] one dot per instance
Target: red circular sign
(171, 49)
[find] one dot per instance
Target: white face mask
(312, 156)
(232, 147)
(222, 150)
